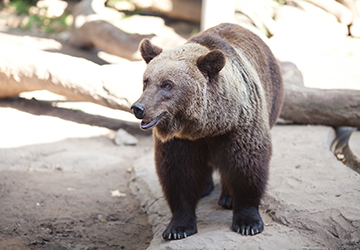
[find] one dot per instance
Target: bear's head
(176, 86)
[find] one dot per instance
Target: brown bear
(211, 102)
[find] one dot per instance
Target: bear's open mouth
(149, 123)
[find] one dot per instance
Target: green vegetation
(111, 3)
(33, 16)
(22, 6)
(48, 24)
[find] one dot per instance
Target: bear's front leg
(246, 217)
(182, 224)
(185, 177)
(247, 221)
(244, 175)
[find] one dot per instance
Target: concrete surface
(312, 200)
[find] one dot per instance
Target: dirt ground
(56, 184)
(64, 184)
(56, 187)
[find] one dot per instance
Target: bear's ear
(211, 63)
(148, 50)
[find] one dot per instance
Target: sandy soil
(56, 185)
(58, 176)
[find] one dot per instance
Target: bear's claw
(249, 229)
(176, 235)
(248, 222)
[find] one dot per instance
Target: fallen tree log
(94, 26)
(114, 86)
(334, 107)
(104, 35)
(38, 107)
(118, 86)
(343, 14)
(92, 29)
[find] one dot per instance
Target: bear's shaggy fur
(211, 102)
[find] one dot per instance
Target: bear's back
(231, 38)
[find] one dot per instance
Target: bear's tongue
(148, 123)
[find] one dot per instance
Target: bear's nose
(138, 110)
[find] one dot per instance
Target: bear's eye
(146, 81)
(166, 85)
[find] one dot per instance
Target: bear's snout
(138, 109)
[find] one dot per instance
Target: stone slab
(354, 148)
(312, 200)
(354, 143)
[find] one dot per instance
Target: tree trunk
(343, 14)
(334, 107)
(93, 27)
(114, 86)
(118, 86)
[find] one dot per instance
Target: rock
(311, 202)
(354, 151)
(302, 33)
(124, 138)
(318, 50)
(354, 143)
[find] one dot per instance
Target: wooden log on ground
(24, 70)
(104, 35)
(343, 14)
(334, 107)
(94, 26)
(118, 86)
(91, 27)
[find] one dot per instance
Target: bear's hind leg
(225, 200)
(209, 184)
(185, 178)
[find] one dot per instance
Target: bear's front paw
(248, 222)
(179, 229)
(177, 233)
